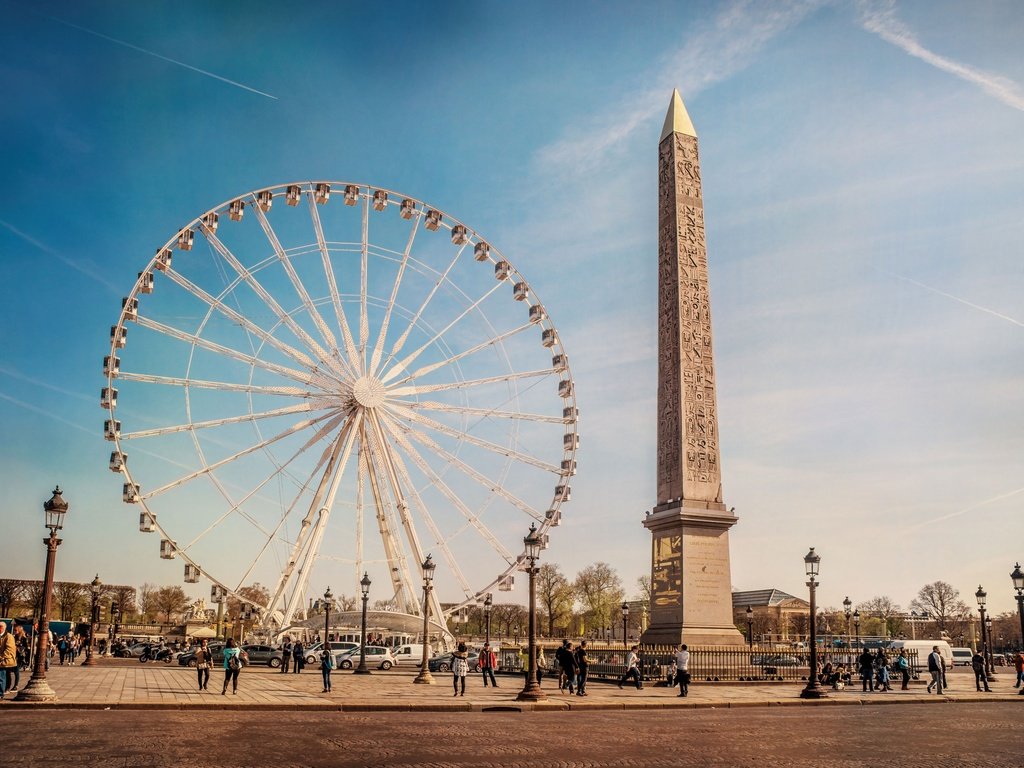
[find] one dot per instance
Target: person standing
(204, 663)
(632, 669)
(233, 660)
(566, 667)
(882, 667)
(298, 656)
(866, 662)
(683, 670)
(286, 654)
(978, 665)
(582, 665)
(488, 663)
(460, 666)
(903, 665)
(326, 665)
(8, 658)
(1018, 664)
(62, 648)
(936, 668)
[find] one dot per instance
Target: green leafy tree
(170, 602)
(555, 594)
(599, 590)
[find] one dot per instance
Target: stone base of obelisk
(691, 585)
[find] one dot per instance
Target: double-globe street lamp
(364, 585)
(531, 691)
(38, 689)
(95, 587)
(811, 563)
(428, 566)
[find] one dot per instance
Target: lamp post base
(813, 693)
(36, 690)
(531, 692)
(361, 671)
(90, 660)
(424, 677)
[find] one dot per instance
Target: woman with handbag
(204, 663)
(234, 659)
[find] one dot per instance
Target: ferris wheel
(328, 379)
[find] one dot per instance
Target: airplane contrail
(75, 265)
(965, 302)
(965, 510)
(161, 57)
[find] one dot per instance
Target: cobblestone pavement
(124, 683)
(957, 735)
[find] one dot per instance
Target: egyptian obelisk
(691, 590)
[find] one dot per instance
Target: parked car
(313, 651)
(134, 650)
(188, 658)
(376, 656)
(263, 654)
(443, 662)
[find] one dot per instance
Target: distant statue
(197, 610)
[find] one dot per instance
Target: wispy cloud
(76, 265)
(154, 54)
(881, 19)
(715, 53)
(965, 510)
(965, 302)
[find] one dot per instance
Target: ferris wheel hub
(369, 391)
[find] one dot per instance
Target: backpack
(901, 662)
(234, 663)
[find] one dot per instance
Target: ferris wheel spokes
(419, 389)
(483, 413)
(176, 381)
(289, 409)
(378, 348)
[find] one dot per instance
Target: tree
(255, 595)
(69, 599)
(599, 589)
(555, 595)
(146, 602)
(10, 592)
(644, 585)
(505, 616)
(886, 610)
(170, 601)
(124, 599)
(942, 601)
(33, 597)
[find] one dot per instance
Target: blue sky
(861, 166)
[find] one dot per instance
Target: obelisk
(691, 589)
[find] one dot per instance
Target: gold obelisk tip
(677, 120)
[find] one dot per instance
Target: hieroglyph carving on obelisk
(688, 460)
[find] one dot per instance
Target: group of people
(573, 665)
(296, 653)
(14, 655)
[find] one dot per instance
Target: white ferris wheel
(324, 379)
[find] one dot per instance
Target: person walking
(582, 665)
(326, 665)
(566, 667)
(298, 656)
(234, 659)
(1018, 664)
(903, 666)
(632, 669)
(460, 666)
(936, 668)
(683, 670)
(866, 663)
(204, 663)
(488, 662)
(63, 646)
(286, 654)
(882, 671)
(8, 658)
(978, 665)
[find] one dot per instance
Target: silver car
(376, 656)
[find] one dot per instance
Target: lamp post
(488, 604)
(750, 628)
(856, 626)
(625, 624)
(38, 689)
(531, 691)
(115, 617)
(328, 597)
(424, 677)
(811, 563)
(981, 596)
(990, 671)
(847, 604)
(364, 585)
(1017, 576)
(95, 587)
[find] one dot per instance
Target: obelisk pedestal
(691, 588)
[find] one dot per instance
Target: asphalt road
(936, 736)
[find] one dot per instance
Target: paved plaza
(125, 683)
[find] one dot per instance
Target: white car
(337, 646)
(377, 656)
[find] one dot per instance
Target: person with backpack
(978, 665)
(234, 660)
(326, 665)
(902, 665)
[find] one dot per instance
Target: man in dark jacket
(582, 663)
(866, 662)
(978, 665)
(567, 663)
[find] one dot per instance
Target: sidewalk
(127, 684)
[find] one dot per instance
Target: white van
(410, 654)
(923, 649)
(962, 657)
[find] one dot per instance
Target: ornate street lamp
(38, 689)
(1017, 576)
(856, 626)
(990, 671)
(428, 566)
(115, 618)
(95, 587)
(982, 597)
(531, 691)
(750, 628)
(488, 604)
(364, 585)
(811, 563)
(328, 597)
(625, 624)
